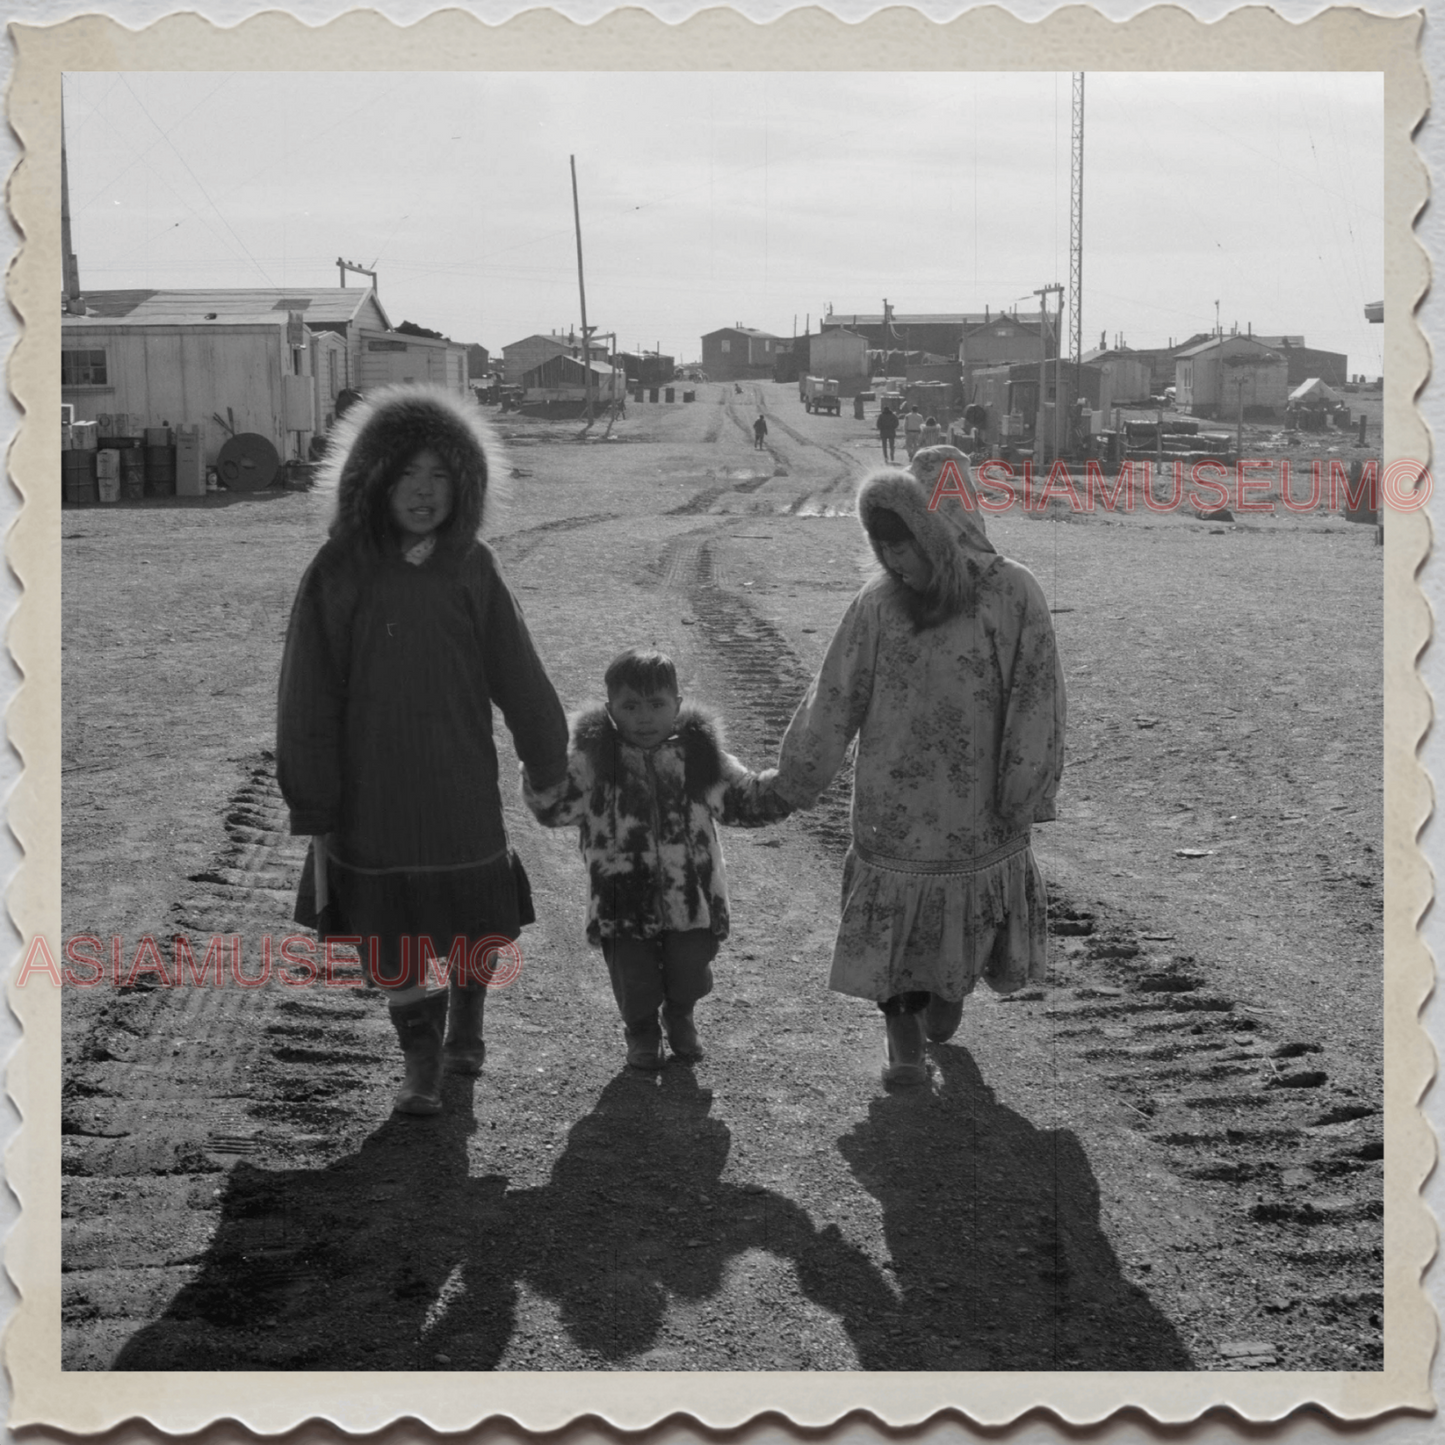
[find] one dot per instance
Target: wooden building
(560, 384)
(531, 351)
(1218, 376)
(738, 352)
(386, 357)
(647, 368)
(1308, 362)
(977, 338)
(841, 354)
(268, 361)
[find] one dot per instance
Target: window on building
(82, 368)
(726, 344)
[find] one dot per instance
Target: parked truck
(821, 394)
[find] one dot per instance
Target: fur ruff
(596, 737)
(953, 588)
(380, 433)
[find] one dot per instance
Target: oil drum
(77, 475)
(160, 471)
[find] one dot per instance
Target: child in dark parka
(403, 638)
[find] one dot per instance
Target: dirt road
(1168, 1158)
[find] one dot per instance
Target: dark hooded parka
(391, 673)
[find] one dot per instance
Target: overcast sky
(715, 198)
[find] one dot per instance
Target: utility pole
(582, 290)
(70, 270)
(346, 266)
(1076, 233)
(1043, 293)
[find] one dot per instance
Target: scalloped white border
(88, 1402)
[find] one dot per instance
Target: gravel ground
(1169, 1157)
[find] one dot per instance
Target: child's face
(907, 563)
(421, 500)
(643, 718)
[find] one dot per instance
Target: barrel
(670, 395)
(77, 475)
(132, 473)
(160, 471)
(652, 394)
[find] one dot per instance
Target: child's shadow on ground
(993, 1230)
(395, 1259)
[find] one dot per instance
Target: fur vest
(646, 820)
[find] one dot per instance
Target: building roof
(601, 367)
(566, 342)
(320, 306)
(743, 331)
(1220, 341)
(931, 318)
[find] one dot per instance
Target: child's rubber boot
(644, 1043)
(941, 1018)
(419, 1027)
(682, 1036)
(905, 1064)
(464, 1051)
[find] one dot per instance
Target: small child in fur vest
(647, 780)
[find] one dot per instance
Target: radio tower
(1076, 232)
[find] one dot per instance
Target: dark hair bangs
(643, 669)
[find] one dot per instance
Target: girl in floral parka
(647, 781)
(945, 671)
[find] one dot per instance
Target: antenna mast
(1076, 233)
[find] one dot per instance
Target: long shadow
(394, 1257)
(339, 1268)
(993, 1230)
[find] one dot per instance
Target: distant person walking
(931, 435)
(760, 430)
(912, 430)
(887, 425)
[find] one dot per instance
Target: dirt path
(1173, 1146)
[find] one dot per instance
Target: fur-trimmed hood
(952, 535)
(369, 445)
(595, 736)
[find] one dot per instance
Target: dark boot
(465, 1051)
(941, 1018)
(681, 1032)
(419, 1027)
(905, 1049)
(644, 1043)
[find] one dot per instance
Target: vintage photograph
(722, 733)
(709, 726)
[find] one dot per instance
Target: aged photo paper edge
(810, 39)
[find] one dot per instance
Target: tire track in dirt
(191, 1065)
(517, 546)
(1288, 1162)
